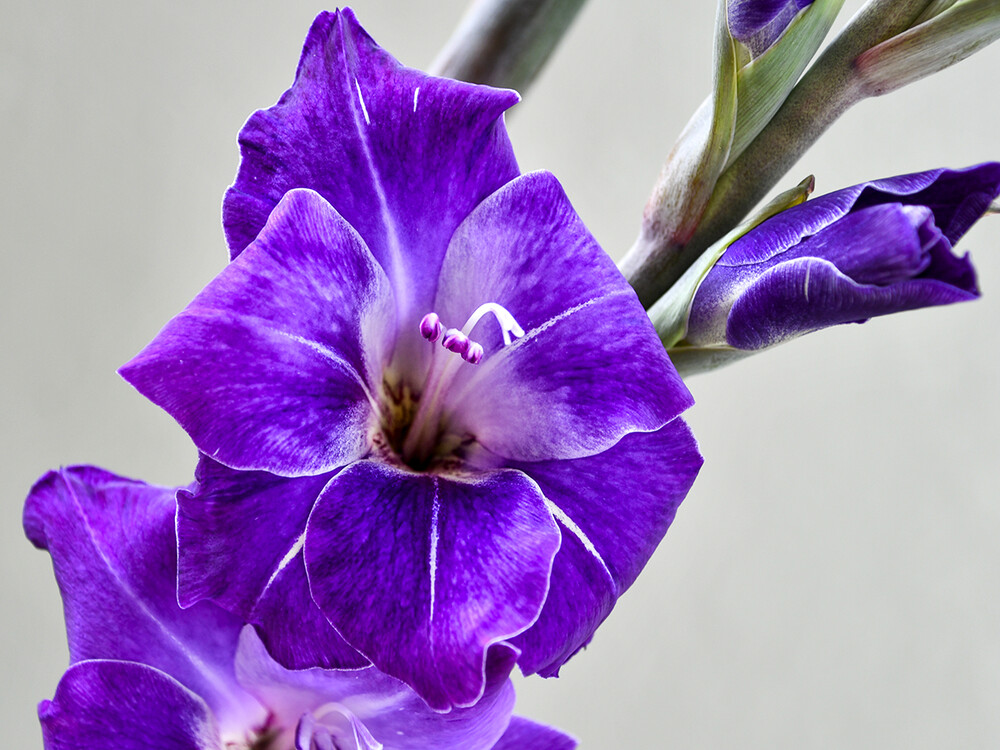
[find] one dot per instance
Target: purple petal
(590, 367)
(773, 309)
(114, 553)
(273, 364)
(614, 509)
(401, 155)
(872, 249)
(126, 706)
(423, 573)
(523, 734)
(385, 707)
(957, 198)
(759, 23)
(240, 539)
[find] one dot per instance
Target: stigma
(458, 341)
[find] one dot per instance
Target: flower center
(420, 421)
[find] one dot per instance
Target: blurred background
(831, 580)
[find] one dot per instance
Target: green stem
(826, 91)
(505, 43)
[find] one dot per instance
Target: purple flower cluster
(439, 438)
(438, 435)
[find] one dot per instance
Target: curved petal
(810, 293)
(240, 537)
(590, 367)
(127, 706)
(614, 509)
(393, 713)
(272, 366)
(403, 156)
(423, 573)
(114, 553)
(957, 198)
(307, 639)
(524, 734)
(891, 239)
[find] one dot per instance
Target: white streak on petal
(335, 359)
(416, 93)
(364, 109)
(436, 509)
(289, 556)
(566, 521)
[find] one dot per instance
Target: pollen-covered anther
(431, 327)
(456, 341)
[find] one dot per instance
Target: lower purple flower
(147, 674)
(872, 249)
(436, 424)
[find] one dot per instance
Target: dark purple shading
(589, 368)
(126, 706)
(272, 366)
(871, 249)
(423, 574)
(615, 508)
(759, 23)
(524, 734)
(404, 168)
(237, 533)
(114, 554)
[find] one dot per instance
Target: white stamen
(508, 326)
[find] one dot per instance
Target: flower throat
(418, 436)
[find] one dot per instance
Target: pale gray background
(832, 579)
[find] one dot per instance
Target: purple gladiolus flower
(438, 430)
(147, 674)
(876, 248)
(759, 23)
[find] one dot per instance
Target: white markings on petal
(808, 269)
(416, 93)
(568, 522)
(289, 556)
(364, 109)
(335, 359)
(435, 511)
(396, 267)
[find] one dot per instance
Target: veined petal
(403, 156)
(423, 573)
(389, 710)
(273, 365)
(589, 368)
(240, 536)
(114, 553)
(127, 706)
(613, 509)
